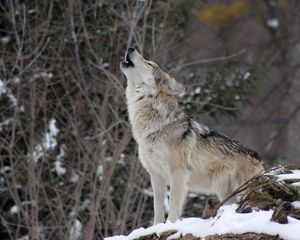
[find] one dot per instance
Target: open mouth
(127, 63)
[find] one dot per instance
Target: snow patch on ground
(294, 175)
(226, 221)
(296, 184)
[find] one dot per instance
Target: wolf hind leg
(159, 191)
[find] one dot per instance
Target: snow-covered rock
(226, 221)
(231, 220)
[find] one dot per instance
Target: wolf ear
(174, 88)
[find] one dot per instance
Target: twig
(215, 105)
(22, 40)
(75, 39)
(104, 131)
(35, 58)
(245, 185)
(239, 189)
(137, 13)
(209, 60)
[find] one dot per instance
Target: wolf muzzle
(128, 62)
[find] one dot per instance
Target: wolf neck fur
(150, 113)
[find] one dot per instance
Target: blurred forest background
(68, 164)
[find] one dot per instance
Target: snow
(198, 90)
(5, 39)
(26, 237)
(226, 221)
(246, 75)
(43, 75)
(16, 80)
(14, 210)
(122, 159)
(105, 65)
(85, 204)
(294, 175)
(59, 168)
(296, 204)
(296, 184)
(74, 177)
(12, 99)
(38, 152)
(76, 230)
(52, 127)
(62, 152)
(3, 88)
(5, 169)
(273, 23)
(49, 141)
(31, 11)
(237, 97)
(148, 192)
(58, 165)
(100, 172)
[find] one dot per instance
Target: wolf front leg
(178, 188)
(159, 191)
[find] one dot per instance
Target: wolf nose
(130, 50)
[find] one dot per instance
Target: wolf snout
(129, 54)
(128, 62)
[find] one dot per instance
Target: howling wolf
(174, 149)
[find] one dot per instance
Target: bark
(229, 236)
(244, 236)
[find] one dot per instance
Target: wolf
(176, 150)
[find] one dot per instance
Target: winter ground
(227, 221)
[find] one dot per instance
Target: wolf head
(146, 75)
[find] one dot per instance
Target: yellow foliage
(283, 5)
(220, 14)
